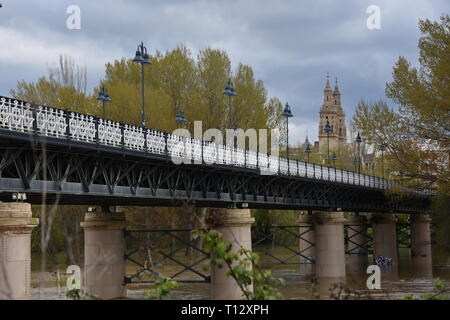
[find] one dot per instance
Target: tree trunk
(68, 239)
(200, 215)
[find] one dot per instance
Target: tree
(64, 87)
(417, 134)
(214, 69)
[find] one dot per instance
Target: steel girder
(74, 175)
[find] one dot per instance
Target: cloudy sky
(290, 44)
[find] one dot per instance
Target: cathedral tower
(332, 111)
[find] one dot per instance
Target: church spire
(336, 88)
(327, 86)
(337, 96)
(327, 95)
(307, 140)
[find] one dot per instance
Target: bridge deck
(29, 133)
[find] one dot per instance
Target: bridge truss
(81, 159)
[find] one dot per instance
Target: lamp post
(334, 158)
(382, 148)
(358, 141)
(373, 169)
(328, 129)
(179, 118)
(103, 96)
(288, 114)
(230, 92)
(355, 163)
(143, 59)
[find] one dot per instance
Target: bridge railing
(17, 115)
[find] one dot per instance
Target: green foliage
(162, 288)
(243, 266)
(79, 294)
(265, 219)
(177, 80)
(441, 218)
(416, 136)
(64, 87)
(74, 294)
(440, 292)
(62, 282)
(57, 240)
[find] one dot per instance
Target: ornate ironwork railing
(25, 117)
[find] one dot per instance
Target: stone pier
(104, 249)
(306, 241)
(16, 224)
(385, 236)
(329, 245)
(235, 225)
(420, 235)
(421, 244)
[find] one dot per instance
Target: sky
(291, 44)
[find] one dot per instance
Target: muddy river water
(408, 278)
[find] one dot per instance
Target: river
(396, 283)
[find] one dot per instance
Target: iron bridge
(71, 158)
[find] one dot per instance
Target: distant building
(333, 112)
(367, 157)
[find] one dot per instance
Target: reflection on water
(413, 276)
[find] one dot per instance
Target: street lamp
(334, 158)
(143, 59)
(358, 141)
(103, 96)
(373, 169)
(230, 92)
(355, 163)
(382, 148)
(328, 129)
(288, 114)
(179, 118)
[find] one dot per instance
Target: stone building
(333, 112)
(344, 147)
